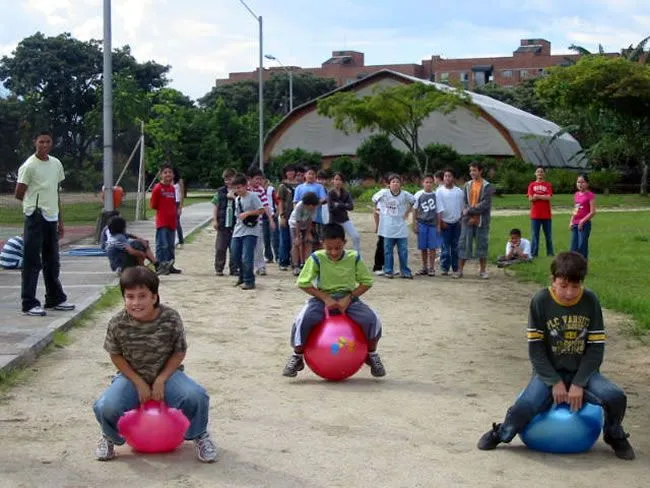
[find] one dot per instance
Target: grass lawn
(85, 213)
(566, 201)
(619, 258)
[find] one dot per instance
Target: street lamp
(273, 58)
(108, 111)
(261, 89)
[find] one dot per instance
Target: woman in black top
(339, 203)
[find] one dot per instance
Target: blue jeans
(243, 257)
(271, 239)
(165, 241)
(402, 252)
(181, 392)
(285, 246)
(580, 239)
(449, 254)
(537, 397)
(546, 225)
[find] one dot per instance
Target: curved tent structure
(499, 130)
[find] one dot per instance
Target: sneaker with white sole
(294, 364)
(36, 312)
(105, 449)
(62, 307)
(376, 366)
(378, 272)
(484, 275)
(206, 449)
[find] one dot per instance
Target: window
(506, 73)
(444, 77)
(464, 76)
(523, 74)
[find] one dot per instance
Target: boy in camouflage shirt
(146, 342)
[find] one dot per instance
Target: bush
(604, 180)
(377, 156)
(292, 156)
(346, 165)
(563, 180)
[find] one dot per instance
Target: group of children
(146, 341)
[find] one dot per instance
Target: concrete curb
(35, 343)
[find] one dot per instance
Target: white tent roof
(511, 132)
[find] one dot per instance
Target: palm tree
(636, 54)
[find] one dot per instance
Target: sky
(206, 39)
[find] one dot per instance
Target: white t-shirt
(269, 197)
(392, 209)
(177, 192)
(451, 201)
(42, 179)
(524, 245)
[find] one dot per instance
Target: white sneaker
(63, 307)
(105, 449)
(36, 312)
(484, 275)
(379, 272)
(206, 450)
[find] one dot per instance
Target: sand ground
(456, 356)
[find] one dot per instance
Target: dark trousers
(537, 398)
(379, 255)
(449, 254)
(243, 252)
(545, 225)
(41, 251)
(221, 247)
(271, 239)
(285, 246)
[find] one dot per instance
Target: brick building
(529, 60)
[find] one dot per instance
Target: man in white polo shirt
(38, 188)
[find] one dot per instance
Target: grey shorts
(473, 238)
(313, 314)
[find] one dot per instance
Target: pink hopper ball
(153, 427)
(336, 348)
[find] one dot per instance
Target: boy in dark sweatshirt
(566, 344)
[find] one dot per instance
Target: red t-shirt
(163, 200)
(540, 209)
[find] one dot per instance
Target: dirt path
(456, 357)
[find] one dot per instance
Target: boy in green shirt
(335, 278)
(566, 344)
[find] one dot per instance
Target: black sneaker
(622, 447)
(376, 366)
(295, 364)
(248, 286)
(61, 307)
(162, 268)
(173, 270)
(490, 440)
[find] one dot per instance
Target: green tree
(294, 156)
(523, 96)
(398, 111)
(14, 139)
(377, 157)
(615, 90)
(242, 96)
(59, 79)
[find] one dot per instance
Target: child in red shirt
(163, 201)
(540, 193)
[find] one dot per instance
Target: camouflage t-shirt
(147, 346)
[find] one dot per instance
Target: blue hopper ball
(561, 431)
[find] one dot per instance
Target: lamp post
(108, 111)
(261, 89)
(273, 58)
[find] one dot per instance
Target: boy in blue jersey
(335, 278)
(566, 344)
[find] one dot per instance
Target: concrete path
(84, 280)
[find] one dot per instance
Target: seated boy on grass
(146, 343)
(127, 250)
(517, 250)
(335, 278)
(566, 344)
